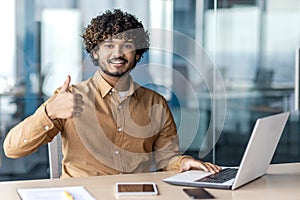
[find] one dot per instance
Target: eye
(129, 46)
(109, 46)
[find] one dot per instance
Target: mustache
(117, 59)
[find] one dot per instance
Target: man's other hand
(190, 163)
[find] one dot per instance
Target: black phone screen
(198, 193)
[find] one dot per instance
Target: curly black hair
(115, 23)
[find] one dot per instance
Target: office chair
(55, 157)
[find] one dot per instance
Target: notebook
(57, 193)
(255, 162)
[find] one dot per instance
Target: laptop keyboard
(221, 177)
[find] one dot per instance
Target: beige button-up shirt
(112, 135)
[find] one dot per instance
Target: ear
(137, 57)
(95, 55)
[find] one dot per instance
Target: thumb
(66, 84)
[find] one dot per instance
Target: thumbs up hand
(65, 104)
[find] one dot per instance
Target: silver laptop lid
(260, 149)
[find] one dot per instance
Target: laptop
(255, 162)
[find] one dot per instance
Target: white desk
(281, 182)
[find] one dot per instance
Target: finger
(78, 103)
(212, 168)
(76, 114)
(78, 100)
(208, 167)
(77, 111)
(77, 97)
(215, 167)
(66, 84)
(203, 167)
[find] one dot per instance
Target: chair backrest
(55, 157)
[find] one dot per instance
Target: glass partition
(254, 45)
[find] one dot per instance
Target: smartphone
(136, 188)
(198, 193)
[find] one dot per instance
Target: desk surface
(281, 182)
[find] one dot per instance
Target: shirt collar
(104, 87)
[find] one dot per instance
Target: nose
(118, 51)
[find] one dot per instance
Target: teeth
(118, 61)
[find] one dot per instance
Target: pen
(68, 195)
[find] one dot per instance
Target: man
(108, 123)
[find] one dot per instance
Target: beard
(115, 74)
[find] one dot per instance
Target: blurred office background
(221, 64)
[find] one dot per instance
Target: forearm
(29, 135)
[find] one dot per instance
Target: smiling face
(116, 56)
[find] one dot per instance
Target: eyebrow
(110, 41)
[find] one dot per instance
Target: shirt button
(25, 140)
(110, 93)
(119, 129)
(119, 107)
(46, 128)
(116, 152)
